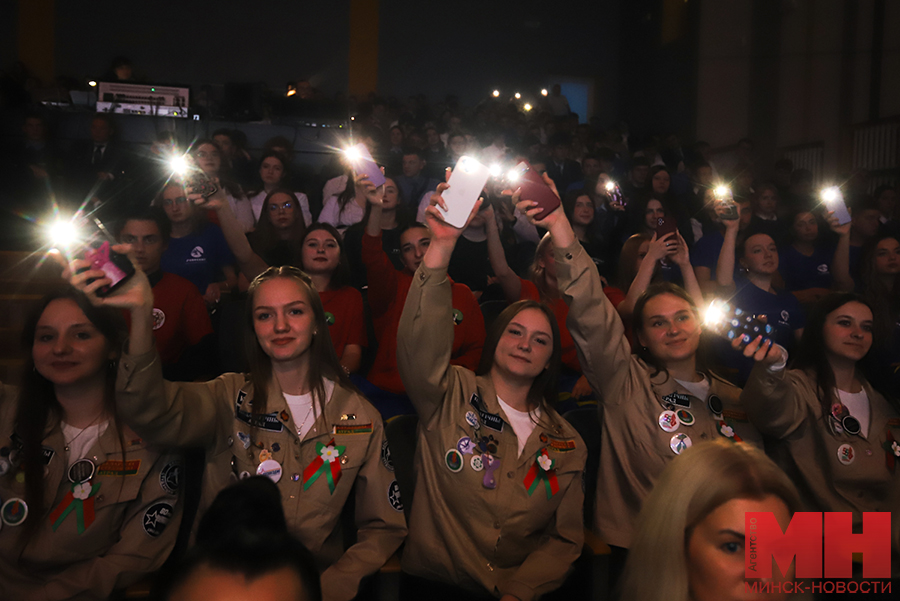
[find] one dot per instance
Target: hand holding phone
(362, 162)
(732, 323)
(117, 267)
(533, 188)
(834, 200)
(467, 181)
(726, 209)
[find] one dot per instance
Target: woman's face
(209, 159)
(760, 255)
(68, 348)
(396, 137)
(660, 182)
(715, 551)
(887, 257)
(176, 205)
(391, 194)
(805, 228)
(583, 212)
(271, 171)
(653, 213)
(767, 203)
(283, 319)
(282, 210)
(526, 345)
(413, 244)
(671, 329)
(321, 252)
(848, 331)
(600, 189)
(887, 202)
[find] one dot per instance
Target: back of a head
(253, 504)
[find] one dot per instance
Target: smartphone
(198, 183)
(533, 188)
(726, 208)
(834, 201)
(615, 194)
(467, 181)
(665, 225)
(116, 266)
(731, 322)
(362, 162)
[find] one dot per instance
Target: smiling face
(283, 319)
(760, 255)
(413, 244)
(887, 257)
(282, 209)
(671, 328)
(525, 347)
(848, 331)
(321, 253)
(68, 348)
(209, 159)
(271, 171)
(715, 551)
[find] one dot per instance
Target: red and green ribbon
(326, 463)
(83, 508)
(542, 470)
(890, 455)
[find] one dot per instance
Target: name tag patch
(490, 420)
(351, 428)
(268, 421)
(676, 398)
(119, 468)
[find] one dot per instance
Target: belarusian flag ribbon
(543, 470)
(326, 463)
(891, 451)
(80, 500)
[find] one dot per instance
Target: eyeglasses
(286, 206)
(205, 155)
(169, 202)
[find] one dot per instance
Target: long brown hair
(652, 291)
(537, 273)
(884, 302)
(265, 238)
(341, 275)
(323, 360)
(543, 392)
(37, 406)
(628, 258)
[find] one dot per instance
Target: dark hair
(251, 504)
(278, 142)
(639, 161)
(543, 391)
(222, 131)
(408, 150)
(225, 178)
(251, 554)
(265, 238)
(258, 185)
(740, 249)
(881, 190)
(884, 302)
(652, 291)
(811, 352)
(323, 360)
(341, 275)
(37, 406)
(154, 214)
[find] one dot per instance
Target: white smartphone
(466, 185)
(363, 162)
(834, 200)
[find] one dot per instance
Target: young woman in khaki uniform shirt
(835, 436)
(495, 515)
(247, 426)
(650, 410)
(81, 517)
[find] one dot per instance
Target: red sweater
(344, 314)
(388, 288)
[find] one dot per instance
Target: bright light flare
(518, 96)
(352, 153)
(722, 192)
(92, 83)
(831, 194)
(715, 313)
(527, 107)
(62, 234)
(544, 92)
(513, 175)
(179, 165)
(610, 186)
(496, 170)
(496, 93)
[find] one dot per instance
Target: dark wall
(470, 47)
(272, 41)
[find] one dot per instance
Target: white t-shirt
(304, 410)
(858, 405)
(331, 213)
(257, 200)
(242, 209)
(698, 389)
(81, 440)
(522, 422)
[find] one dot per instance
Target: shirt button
(497, 525)
(568, 255)
(296, 441)
(510, 474)
(421, 276)
(230, 441)
(99, 498)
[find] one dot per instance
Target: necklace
(303, 423)
(80, 432)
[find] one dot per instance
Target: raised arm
(509, 281)
(250, 263)
(842, 281)
(769, 396)
(425, 333)
(725, 265)
(656, 251)
(681, 256)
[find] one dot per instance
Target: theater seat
(586, 421)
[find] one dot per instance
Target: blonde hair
(692, 486)
(537, 273)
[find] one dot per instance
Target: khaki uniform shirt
(635, 446)
(504, 539)
(218, 416)
(136, 516)
(833, 470)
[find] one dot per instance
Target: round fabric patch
(394, 496)
(386, 456)
(14, 512)
(329, 318)
(668, 421)
(680, 443)
(457, 317)
(4, 466)
(472, 419)
(846, 454)
(715, 404)
(271, 469)
(81, 471)
(156, 519)
(685, 417)
(170, 477)
(454, 460)
(477, 463)
(159, 318)
(465, 445)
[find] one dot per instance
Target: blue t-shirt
(706, 251)
(198, 257)
(783, 312)
(800, 272)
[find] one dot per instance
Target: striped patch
(117, 468)
(741, 416)
(351, 428)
